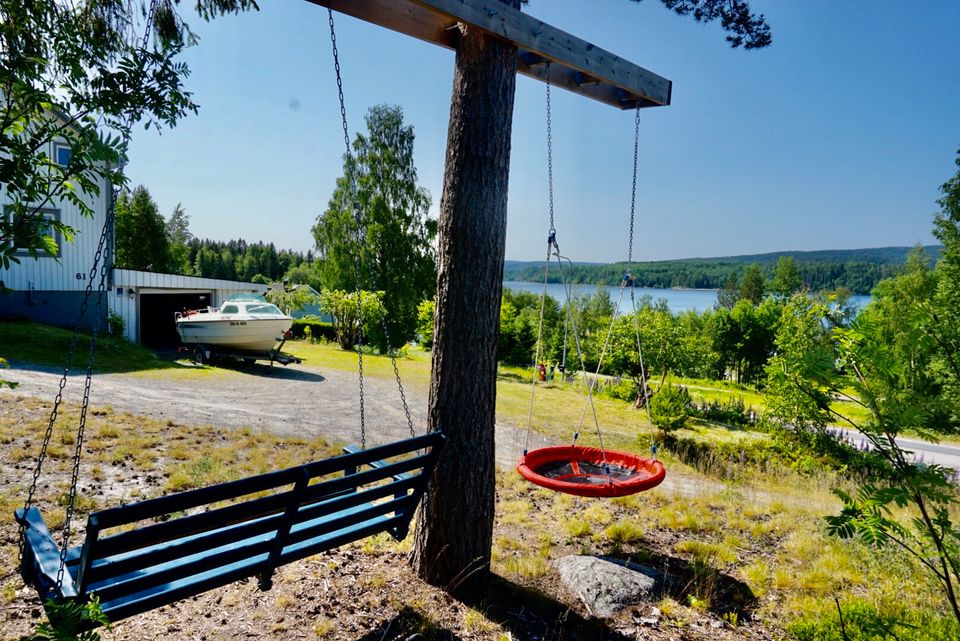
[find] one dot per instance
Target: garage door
(157, 326)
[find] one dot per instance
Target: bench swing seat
(145, 555)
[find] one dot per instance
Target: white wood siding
(47, 273)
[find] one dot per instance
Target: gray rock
(606, 585)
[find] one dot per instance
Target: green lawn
(38, 344)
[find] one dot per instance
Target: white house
(50, 289)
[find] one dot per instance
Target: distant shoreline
(675, 288)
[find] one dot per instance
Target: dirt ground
(365, 591)
(298, 400)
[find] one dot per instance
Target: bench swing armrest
(41, 557)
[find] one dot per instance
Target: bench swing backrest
(148, 554)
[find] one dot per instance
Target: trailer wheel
(198, 355)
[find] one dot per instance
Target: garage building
(147, 302)
(50, 288)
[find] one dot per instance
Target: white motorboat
(242, 322)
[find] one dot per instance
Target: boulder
(606, 585)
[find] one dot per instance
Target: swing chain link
(553, 230)
(633, 302)
(633, 187)
(361, 237)
(102, 254)
(101, 258)
(55, 411)
(358, 219)
(336, 67)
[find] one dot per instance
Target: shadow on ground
(277, 371)
(410, 624)
(722, 593)
(527, 614)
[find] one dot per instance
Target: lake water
(678, 300)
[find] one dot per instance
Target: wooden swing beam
(576, 64)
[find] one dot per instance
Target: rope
(568, 290)
(361, 243)
(551, 242)
(102, 254)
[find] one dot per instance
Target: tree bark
(455, 526)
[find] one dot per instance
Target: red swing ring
(589, 471)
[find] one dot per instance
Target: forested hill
(857, 269)
(240, 260)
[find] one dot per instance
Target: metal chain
(550, 153)
(336, 67)
(102, 254)
(633, 186)
(361, 235)
(55, 411)
(629, 277)
(551, 246)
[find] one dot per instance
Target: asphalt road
(922, 451)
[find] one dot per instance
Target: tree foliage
(140, 233)
(857, 270)
(353, 313)
(786, 278)
(377, 217)
(743, 27)
(670, 407)
(72, 73)
(178, 238)
(753, 284)
(898, 359)
(239, 260)
(292, 299)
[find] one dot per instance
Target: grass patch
(47, 345)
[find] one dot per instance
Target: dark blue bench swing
(282, 516)
(145, 555)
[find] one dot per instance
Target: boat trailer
(202, 354)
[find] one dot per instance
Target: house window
(38, 223)
(62, 154)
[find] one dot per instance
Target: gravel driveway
(298, 400)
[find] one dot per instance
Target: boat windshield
(246, 298)
(272, 310)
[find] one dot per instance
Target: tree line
(146, 241)
(859, 276)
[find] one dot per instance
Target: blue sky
(837, 136)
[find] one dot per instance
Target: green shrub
(670, 407)
(625, 390)
(732, 412)
(116, 324)
(425, 324)
(68, 621)
(318, 328)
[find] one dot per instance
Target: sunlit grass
(47, 345)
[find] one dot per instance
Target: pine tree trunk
(455, 525)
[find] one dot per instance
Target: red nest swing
(589, 471)
(572, 469)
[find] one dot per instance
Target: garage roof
(134, 278)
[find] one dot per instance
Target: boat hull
(246, 334)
